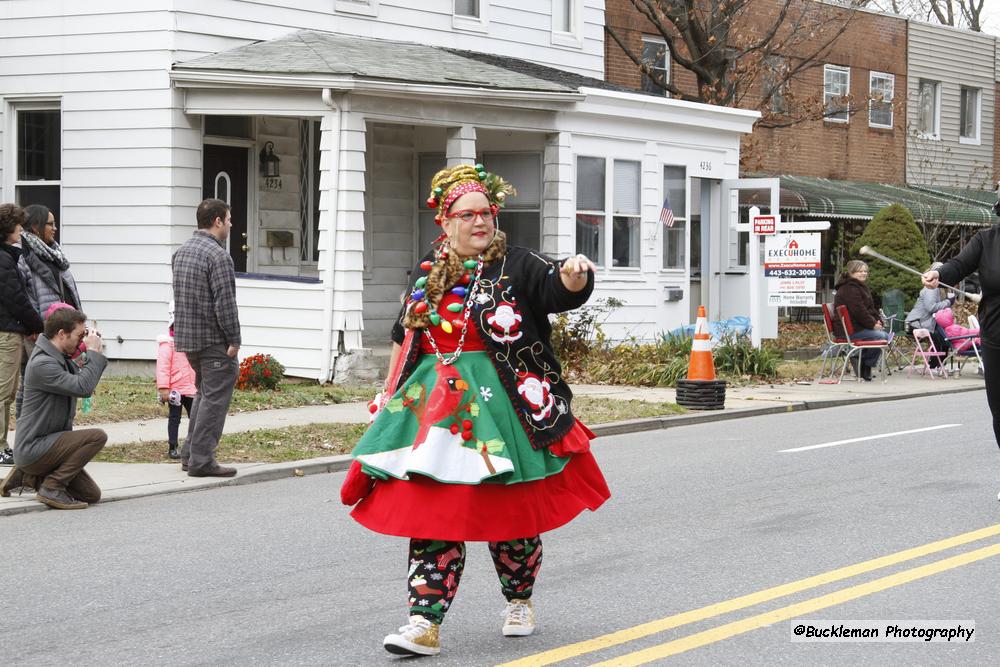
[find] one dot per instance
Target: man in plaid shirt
(207, 329)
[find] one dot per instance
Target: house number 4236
(705, 165)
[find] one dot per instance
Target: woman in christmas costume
(473, 438)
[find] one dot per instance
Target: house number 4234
(705, 165)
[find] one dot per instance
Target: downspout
(326, 368)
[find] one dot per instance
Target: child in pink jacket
(946, 319)
(175, 383)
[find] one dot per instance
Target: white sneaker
(418, 637)
(519, 619)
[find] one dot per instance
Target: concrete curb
(267, 472)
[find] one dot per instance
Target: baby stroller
(962, 345)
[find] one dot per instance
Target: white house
(321, 122)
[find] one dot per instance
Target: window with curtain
(625, 221)
(590, 207)
(968, 121)
(775, 70)
(836, 85)
(929, 108)
(881, 89)
(673, 217)
(562, 15)
(468, 8)
(38, 172)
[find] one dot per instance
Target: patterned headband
(462, 188)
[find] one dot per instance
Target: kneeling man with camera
(48, 453)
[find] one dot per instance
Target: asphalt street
(278, 574)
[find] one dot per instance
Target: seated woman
(922, 316)
(853, 293)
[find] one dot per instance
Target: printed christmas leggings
(436, 568)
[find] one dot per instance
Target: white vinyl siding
(953, 60)
(836, 85)
(881, 88)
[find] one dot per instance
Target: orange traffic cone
(701, 365)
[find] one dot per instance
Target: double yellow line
(768, 618)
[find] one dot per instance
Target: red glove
(356, 485)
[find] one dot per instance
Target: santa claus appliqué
(535, 391)
(504, 322)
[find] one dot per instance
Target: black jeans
(991, 373)
(174, 418)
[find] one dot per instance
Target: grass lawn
(268, 445)
(305, 442)
(134, 398)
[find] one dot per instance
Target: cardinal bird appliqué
(444, 400)
(536, 392)
(504, 322)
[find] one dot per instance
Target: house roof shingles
(309, 52)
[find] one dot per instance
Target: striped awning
(811, 197)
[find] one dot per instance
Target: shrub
(260, 371)
(894, 233)
(577, 333)
(735, 355)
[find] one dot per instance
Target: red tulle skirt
(423, 508)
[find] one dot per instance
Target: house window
(836, 87)
(968, 120)
(309, 136)
(38, 151)
(654, 52)
(562, 15)
(673, 217)
(590, 209)
(468, 8)
(880, 107)
(236, 127)
(625, 222)
(775, 71)
(521, 216)
(929, 119)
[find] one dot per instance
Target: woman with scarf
(855, 294)
(473, 437)
(50, 274)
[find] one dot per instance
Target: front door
(225, 178)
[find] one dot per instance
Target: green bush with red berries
(259, 372)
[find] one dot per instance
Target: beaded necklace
(468, 293)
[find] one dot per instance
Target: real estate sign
(791, 264)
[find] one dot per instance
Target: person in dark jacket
(18, 317)
(854, 293)
(474, 437)
(982, 254)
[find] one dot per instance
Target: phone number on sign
(791, 273)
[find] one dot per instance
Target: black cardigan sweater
(529, 283)
(981, 253)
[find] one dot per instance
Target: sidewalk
(121, 481)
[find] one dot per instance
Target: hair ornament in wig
(450, 184)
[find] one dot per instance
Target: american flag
(666, 215)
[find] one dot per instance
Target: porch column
(350, 239)
(558, 216)
(461, 145)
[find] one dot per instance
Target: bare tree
(966, 14)
(746, 53)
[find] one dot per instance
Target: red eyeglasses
(470, 214)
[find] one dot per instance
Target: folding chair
(960, 353)
(893, 356)
(836, 345)
(924, 350)
(859, 345)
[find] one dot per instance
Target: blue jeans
(870, 357)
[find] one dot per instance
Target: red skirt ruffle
(427, 509)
